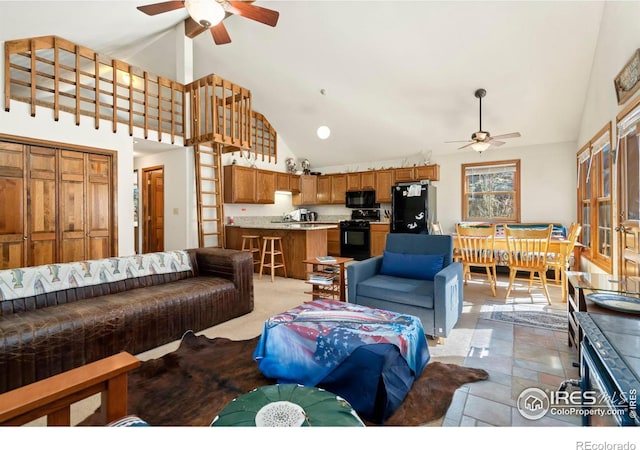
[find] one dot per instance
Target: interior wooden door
(153, 208)
(13, 232)
(72, 223)
(629, 205)
(42, 214)
(98, 206)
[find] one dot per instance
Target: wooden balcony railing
(54, 73)
(220, 112)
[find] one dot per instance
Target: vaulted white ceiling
(399, 76)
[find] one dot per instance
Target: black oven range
(355, 234)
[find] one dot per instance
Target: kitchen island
(301, 241)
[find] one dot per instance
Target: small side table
(334, 274)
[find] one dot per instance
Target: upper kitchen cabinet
(353, 181)
(239, 184)
(265, 186)
(323, 189)
(404, 174)
(282, 181)
(383, 183)
(287, 182)
(430, 172)
(308, 189)
(338, 188)
(367, 180)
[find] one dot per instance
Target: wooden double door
(55, 205)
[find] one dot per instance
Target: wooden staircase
(209, 195)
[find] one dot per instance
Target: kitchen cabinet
(283, 181)
(379, 233)
(333, 242)
(403, 175)
(367, 180)
(338, 188)
(308, 190)
(353, 181)
(239, 184)
(265, 186)
(384, 182)
(430, 172)
(323, 190)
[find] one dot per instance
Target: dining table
(556, 245)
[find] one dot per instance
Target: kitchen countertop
(307, 226)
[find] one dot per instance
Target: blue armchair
(416, 275)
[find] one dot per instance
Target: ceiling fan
(482, 140)
(209, 14)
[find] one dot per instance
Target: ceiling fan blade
(220, 34)
(253, 12)
(468, 145)
(159, 8)
(506, 136)
(454, 142)
(495, 143)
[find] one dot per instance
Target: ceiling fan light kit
(482, 140)
(480, 146)
(210, 14)
(206, 12)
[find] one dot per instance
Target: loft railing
(220, 112)
(263, 137)
(55, 73)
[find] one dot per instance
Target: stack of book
(317, 278)
(326, 259)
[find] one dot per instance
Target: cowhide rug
(190, 386)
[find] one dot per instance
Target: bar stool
(251, 243)
(269, 248)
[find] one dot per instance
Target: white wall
(180, 218)
(618, 40)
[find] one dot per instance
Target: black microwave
(361, 199)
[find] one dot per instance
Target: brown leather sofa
(48, 333)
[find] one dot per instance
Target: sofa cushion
(410, 291)
(421, 267)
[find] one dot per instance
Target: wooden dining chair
(561, 260)
(527, 252)
(475, 248)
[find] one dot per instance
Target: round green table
(288, 405)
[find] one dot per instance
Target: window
(594, 199)
(491, 191)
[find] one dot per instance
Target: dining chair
(475, 248)
(561, 260)
(527, 252)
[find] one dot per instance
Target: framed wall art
(627, 81)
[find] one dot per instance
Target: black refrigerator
(413, 207)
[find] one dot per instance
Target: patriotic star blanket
(304, 345)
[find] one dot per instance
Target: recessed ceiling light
(323, 132)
